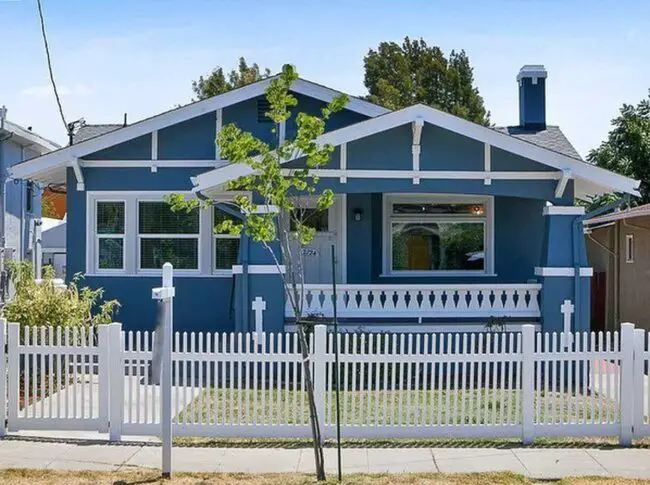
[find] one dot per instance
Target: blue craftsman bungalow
(438, 224)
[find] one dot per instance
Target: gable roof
(45, 167)
(594, 179)
(86, 132)
(27, 137)
(639, 211)
(551, 137)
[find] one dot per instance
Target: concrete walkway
(542, 463)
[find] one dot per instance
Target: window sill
(158, 274)
(450, 274)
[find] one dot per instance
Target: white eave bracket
(562, 183)
(417, 125)
(74, 163)
(344, 162)
(487, 160)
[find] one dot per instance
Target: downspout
(578, 233)
(245, 252)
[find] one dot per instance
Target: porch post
(564, 273)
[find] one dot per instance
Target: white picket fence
(522, 385)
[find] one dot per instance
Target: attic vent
(263, 107)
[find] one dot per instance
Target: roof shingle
(550, 138)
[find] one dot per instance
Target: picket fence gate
(521, 385)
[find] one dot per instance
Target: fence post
(320, 348)
(103, 375)
(116, 379)
(639, 373)
(627, 383)
(13, 360)
(3, 377)
(528, 383)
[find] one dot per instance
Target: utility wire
(49, 66)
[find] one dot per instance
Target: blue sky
(140, 56)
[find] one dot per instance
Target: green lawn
(418, 408)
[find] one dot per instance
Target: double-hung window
(438, 235)
(109, 231)
(226, 246)
(165, 235)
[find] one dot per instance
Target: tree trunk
(313, 413)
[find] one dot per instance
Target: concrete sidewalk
(543, 463)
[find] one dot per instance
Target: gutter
(578, 232)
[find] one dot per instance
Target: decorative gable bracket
(74, 164)
(562, 183)
(416, 125)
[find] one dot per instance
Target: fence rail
(522, 385)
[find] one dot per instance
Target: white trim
(34, 141)
(343, 162)
(562, 183)
(46, 163)
(259, 269)
(487, 219)
(532, 71)
(151, 163)
(560, 210)
(217, 129)
(562, 271)
(420, 328)
(642, 210)
(266, 209)
(591, 173)
(416, 149)
(154, 145)
(487, 160)
(282, 132)
(427, 174)
(629, 248)
(74, 163)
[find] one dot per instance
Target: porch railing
(401, 301)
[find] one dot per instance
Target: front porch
(393, 302)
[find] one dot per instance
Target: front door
(317, 256)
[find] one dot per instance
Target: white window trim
(629, 248)
(132, 238)
(98, 236)
(215, 237)
(488, 201)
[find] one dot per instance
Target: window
(226, 247)
(314, 218)
(109, 230)
(629, 248)
(29, 197)
(167, 236)
(263, 107)
(437, 235)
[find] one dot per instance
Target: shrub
(49, 303)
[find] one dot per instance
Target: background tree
(398, 76)
(282, 233)
(218, 83)
(627, 147)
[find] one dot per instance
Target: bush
(49, 303)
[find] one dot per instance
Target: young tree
(218, 83)
(398, 76)
(281, 232)
(627, 147)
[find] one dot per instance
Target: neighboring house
(618, 248)
(438, 224)
(20, 200)
(53, 238)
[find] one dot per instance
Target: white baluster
(462, 305)
(533, 304)
(497, 306)
(437, 301)
(426, 305)
(509, 305)
(474, 304)
(364, 304)
(400, 305)
(327, 307)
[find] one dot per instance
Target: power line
(49, 66)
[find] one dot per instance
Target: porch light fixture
(478, 210)
(358, 213)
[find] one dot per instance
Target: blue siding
(502, 160)
(136, 149)
(389, 150)
(445, 150)
(193, 139)
(244, 115)
(518, 226)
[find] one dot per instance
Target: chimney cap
(532, 71)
